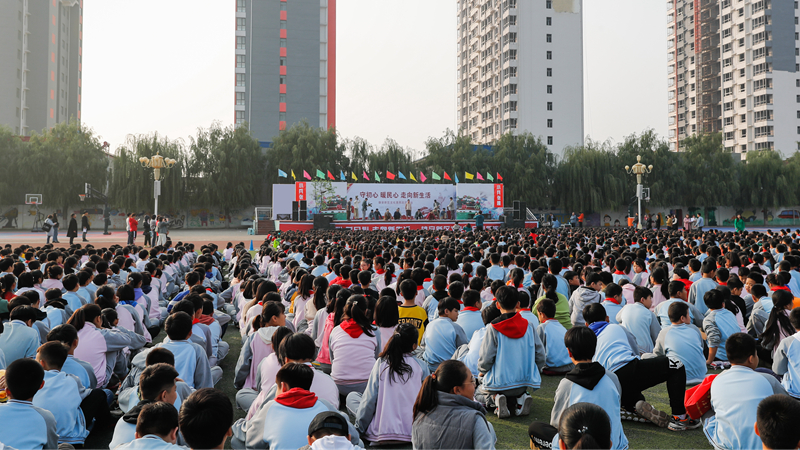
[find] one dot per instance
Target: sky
(168, 66)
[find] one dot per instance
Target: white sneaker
(524, 403)
(501, 406)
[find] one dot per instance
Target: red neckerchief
(419, 288)
(297, 398)
(195, 321)
(619, 272)
(426, 280)
(206, 320)
(352, 328)
(613, 300)
(471, 308)
(781, 288)
(380, 272)
(723, 283)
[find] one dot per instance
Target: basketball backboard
(33, 199)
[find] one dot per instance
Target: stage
(392, 225)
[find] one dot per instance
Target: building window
(240, 5)
(240, 98)
(549, 54)
(240, 23)
(549, 88)
(549, 37)
(549, 4)
(240, 60)
(549, 106)
(744, 133)
(239, 117)
(550, 139)
(549, 123)
(549, 72)
(240, 80)
(549, 21)
(240, 42)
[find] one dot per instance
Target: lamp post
(157, 163)
(639, 169)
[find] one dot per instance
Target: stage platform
(368, 225)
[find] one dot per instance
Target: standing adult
(451, 209)
(55, 228)
(573, 220)
(479, 221)
(408, 208)
(133, 227)
(153, 226)
(364, 208)
(163, 231)
(48, 227)
(349, 208)
(687, 222)
(147, 231)
(580, 220)
(72, 229)
(738, 223)
(699, 223)
(85, 225)
(658, 222)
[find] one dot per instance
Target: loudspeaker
(303, 213)
(323, 222)
(517, 213)
(303, 205)
(516, 205)
(295, 212)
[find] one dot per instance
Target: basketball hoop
(33, 199)
(82, 196)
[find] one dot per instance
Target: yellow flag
(353, 176)
(293, 177)
(412, 177)
(469, 176)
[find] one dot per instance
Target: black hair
(772, 417)
(740, 347)
(178, 326)
(387, 314)
(277, 338)
(713, 299)
(157, 418)
(270, 309)
(660, 277)
(449, 375)
(778, 319)
(612, 290)
(677, 310)
(507, 297)
(585, 426)
(24, 378)
(399, 345)
(674, 287)
(160, 355)
(54, 353)
(641, 293)
(550, 283)
(205, 418)
(471, 298)
(356, 310)
(594, 312)
(448, 303)
(64, 333)
(156, 378)
(546, 307)
(581, 342)
(297, 347)
(296, 375)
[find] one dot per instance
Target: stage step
(265, 227)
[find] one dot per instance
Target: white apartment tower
(733, 68)
(520, 68)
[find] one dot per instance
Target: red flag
(389, 175)
(447, 177)
(499, 177)
(330, 175)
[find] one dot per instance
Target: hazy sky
(168, 66)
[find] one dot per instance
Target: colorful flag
(469, 176)
(330, 175)
(341, 175)
(489, 177)
(365, 175)
(353, 176)
(456, 175)
(435, 176)
(412, 176)
(447, 177)
(422, 177)
(306, 175)
(480, 177)
(293, 177)
(282, 174)
(499, 177)
(400, 174)
(389, 175)
(320, 174)
(377, 178)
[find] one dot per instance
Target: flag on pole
(447, 177)
(422, 177)
(365, 175)
(389, 175)
(469, 176)
(282, 174)
(435, 176)
(320, 174)
(489, 177)
(330, 175)
(353, 176)
(306, 175)
(499, 177)
(377, 177)
(293, 176)
(478, 174)
(412, 176)
(456, 175)
(400, 174)
(341, 175)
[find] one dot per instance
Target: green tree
(228, 167)
(590, 178)
(60, 160)
(766, 181)
(12, 150)
(710, 174)
(132, 184)
(667, 179)
(527, 162)
(391, 157)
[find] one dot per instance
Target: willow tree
(667, 179)
(709, 173)
(132, 184)
(454, 154)
(590, 178)
(527, 164)
(393, 158)
(12, 150)
(228, 168)
(766, 181)
(61, 160)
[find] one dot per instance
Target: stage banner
(325, 197)
(300, 191)
(480, 197)
(394, 196)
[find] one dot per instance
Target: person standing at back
(55, 227)
(163, 231)
(147, 230)
(85, 225)
(72, 229)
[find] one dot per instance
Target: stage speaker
(295, 212)
(303, 213)
(516, 205)
(323, 222)
(303, 205)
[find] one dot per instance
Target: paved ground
(197, 237)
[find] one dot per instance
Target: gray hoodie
(581, 297)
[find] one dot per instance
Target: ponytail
(778, 319)
(270, 310)
(660, 277)
(320, 287)
(86, 313)
(517, 276)
(277, 338)
(449, 375)
(399, 345)
(585, 426)
(550, 282)
(356, 310)
(388, 274)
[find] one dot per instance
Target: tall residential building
(520, 68)
(40, 73)
(285, 64)
(733, 68)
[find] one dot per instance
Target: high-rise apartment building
(520, 68)
(285, 64)
(40, 74)
(733, 68)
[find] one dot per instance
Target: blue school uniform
(469, 354)
(18, 340)
(684, 342)
(786, 362)
(80, 369)
(642, 324)
(551, 333)
(470, 322)
(149, 442)
(511, 355)
(74, 301)
(615, 345)
(612, 309)
(191, 363)
(62, 395)
(718, 325)
(26, 426)
(441, 340)
(662, 311)
(698, 290)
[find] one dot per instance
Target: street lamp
(639, 169)
(157, 163)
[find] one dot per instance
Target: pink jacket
(352, 358)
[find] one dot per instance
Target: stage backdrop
(486, 198)
(394, 196)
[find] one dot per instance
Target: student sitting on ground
(718, 325)
(443, 336)
(510, 357)
(130, 393)
(18, 340)
(619, 271)
(683, 341)
(735, 395)
(99, 346)
(329, 431)
(409, 311)
(786, 360)
(588, 382)
(283, 422)
(26, 426)
(68, 336)
(469, 318)
(205, 419)
(772, 415)
(677, 293)
(639, 320)
(156, 428)
(525, 308)
(618, 352)
(354, 347)
(762, 307)
(258, 345)
(470, 353)
(550, 290)
(585, 295)
(431, 303)
(551, 333)
(190, 359)
(613, 302)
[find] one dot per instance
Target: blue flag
(341, 175)
(456, 178)
(400, 174)
(282, 174)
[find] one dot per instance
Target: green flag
(377, 178)
(435, 176)
(320, 174)
(489, 176)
